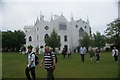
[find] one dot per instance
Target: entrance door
(66, 47)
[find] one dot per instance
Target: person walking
(82, 52)
(69, 53)
(64, 52)
(31, 64)
(91, 52)
(98, 52)
(115, 53)
(49, 62)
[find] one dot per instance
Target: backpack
(56, 60)
(36, 59)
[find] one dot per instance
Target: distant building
(70, 32)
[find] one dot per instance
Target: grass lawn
(0, 65)
(13, 66)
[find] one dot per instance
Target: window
(46, 36)
(85, 26)
(81, 32)
(46, 27)
(65, 38)
(25, 30)
(30, 38)
(62, 26)
(76, 26)
(59, 37)
(66, 47)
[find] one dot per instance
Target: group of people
(65, 52)
(92, 54)
(48, 60)
(97, 53)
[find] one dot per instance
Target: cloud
(18, 14)
(60, 0)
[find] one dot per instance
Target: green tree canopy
(13, 40)
(96, 40)
(85, 41)
(99, 40)
(53, 40)
(113, 33)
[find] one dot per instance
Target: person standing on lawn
(98, 52)
(64, 52)
(69, 53)
(115, 53)
(31, 64)
(49, 62)
(91, 52)
(82, 52)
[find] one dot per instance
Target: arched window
(76, 26)
(59, 37)
(65, 38)
(46, 36)
(81, 32)
(30, 38)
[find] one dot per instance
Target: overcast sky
(16, 14)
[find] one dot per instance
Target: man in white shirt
(82, 52)
(115, 53)
(31, 64)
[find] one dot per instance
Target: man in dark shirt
(49, 61)
(64, 52)
(98, 52)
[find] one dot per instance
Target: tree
(7, 40)
(53, 40)
(19, 38)
(12, 41)
(85, 41)
(99, 40)
(113, 33)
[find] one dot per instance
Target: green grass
(14, 64)
(0, 65)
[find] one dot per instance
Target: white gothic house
(69, 31)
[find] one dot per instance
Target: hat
(46, 45)
(30, 47)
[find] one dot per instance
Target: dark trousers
(69, 55)
(82, 57)
(98, 57)
(64, 55)
(50, 75)
(116, 57)
(32, 70)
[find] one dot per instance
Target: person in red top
(98, 52)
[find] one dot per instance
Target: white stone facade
(69, 31)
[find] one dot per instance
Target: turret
(72, 19)
(41, 17)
